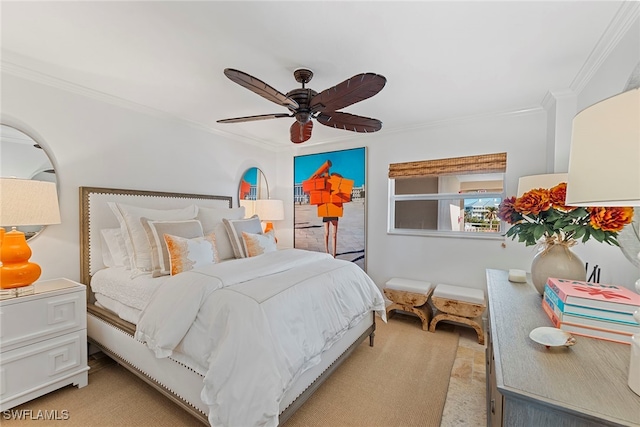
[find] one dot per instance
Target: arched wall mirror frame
(253, 185)
(24, 157)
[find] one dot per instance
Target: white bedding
(116, 283)
(264, 319)
(123, 311)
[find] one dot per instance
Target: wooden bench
(411, 296)
(459, 304)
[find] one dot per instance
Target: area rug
(401, 381)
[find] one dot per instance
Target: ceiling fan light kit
(307, 104)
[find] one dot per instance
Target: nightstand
(43, 341)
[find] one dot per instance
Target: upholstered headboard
(96, 215)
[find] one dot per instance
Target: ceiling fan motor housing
(303, 97)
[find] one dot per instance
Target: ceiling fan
(306, 104)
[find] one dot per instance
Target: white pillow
(135, 238)
(156, 230)
(114, 252)
(187, 254)
(235, 227)
(211, 219)
(258, 244)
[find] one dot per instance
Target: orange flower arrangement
(542, 213)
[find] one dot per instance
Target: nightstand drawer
(38, 366)
(38, 318)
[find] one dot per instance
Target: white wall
(95, 143)
(99, 144)
(440, 259)
(532, 148)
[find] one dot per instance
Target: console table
(530, 385)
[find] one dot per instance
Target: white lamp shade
(269, 209)
(604, 164)
(548, 180)
(27, 202)
(249, 207)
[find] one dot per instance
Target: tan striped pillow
(155, 233)
(235, 228)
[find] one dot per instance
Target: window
(447, 197)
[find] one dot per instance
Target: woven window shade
(486, 163)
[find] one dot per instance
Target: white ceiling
(442, 60)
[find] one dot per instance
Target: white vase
(557, 261)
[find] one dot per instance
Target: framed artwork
(330, 203)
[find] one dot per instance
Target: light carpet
(401, 381)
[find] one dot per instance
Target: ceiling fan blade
(350, 91)
(254, 118)
(350, 122)
(261, 88)
(301, 132)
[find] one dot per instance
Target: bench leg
(423, 312)
(391, 310)
(465, 320)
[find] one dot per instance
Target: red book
(595, 295)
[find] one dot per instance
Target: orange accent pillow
(187, 254)
(258, 244)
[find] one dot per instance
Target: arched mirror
(23, 157)
(253, 185)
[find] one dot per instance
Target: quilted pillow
(187, 254)
(155, 233)
(211, 219)
(235, 228)
(257, 244)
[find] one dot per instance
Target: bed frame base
(136, 357)
(183, 384)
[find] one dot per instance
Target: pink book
(586, 331)
(595, 295)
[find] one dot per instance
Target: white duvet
(257, 324)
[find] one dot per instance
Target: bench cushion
(459, 293)
(408, 285)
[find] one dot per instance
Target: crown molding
(428, 125)
(618, 27)
(551, 97)
(482, 116)
(45, 79)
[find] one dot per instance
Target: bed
(238, 341)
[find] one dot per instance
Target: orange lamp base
(16, 270)
(268, 226)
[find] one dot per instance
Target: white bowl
(552, 337)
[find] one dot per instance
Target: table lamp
(604, 170)
(23, 202)
(547, 180)
(269, 210)
(249, 207)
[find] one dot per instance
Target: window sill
(455, 234)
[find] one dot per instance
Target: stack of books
(592, 309)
